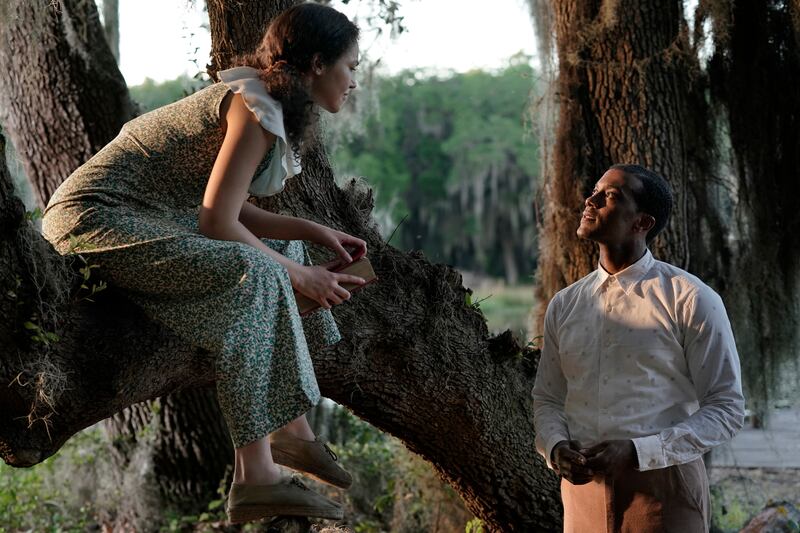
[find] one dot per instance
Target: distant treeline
(452, 161)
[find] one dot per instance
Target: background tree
(111, 25)
(66, 98)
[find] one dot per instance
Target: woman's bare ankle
(298, 428)
(258, 476)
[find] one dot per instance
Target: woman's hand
(339, 242)
(322, 285)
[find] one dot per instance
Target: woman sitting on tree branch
(163, 210)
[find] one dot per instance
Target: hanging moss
(754, 74)
(36, 286)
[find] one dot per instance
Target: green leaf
(36, 214)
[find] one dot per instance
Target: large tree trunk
(237, 27)
(181, 444)
(62, 97)
(626, 95)
(415, 360)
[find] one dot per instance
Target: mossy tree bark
(625, 95)
(416, 360)
(62, 96)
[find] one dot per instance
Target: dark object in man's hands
(570, 463)
(612, 457)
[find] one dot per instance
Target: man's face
(610, 215)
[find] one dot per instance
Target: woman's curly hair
(285, 55)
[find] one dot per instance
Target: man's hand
(611, 457)
(570, 463)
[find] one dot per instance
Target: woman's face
(331, 84)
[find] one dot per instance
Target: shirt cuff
(650, 453)
(548, 449)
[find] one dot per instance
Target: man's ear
(644, 223)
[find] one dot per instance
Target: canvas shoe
(289, 497)
(312, 457)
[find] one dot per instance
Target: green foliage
(87, 288)
(536, 342)
(37, 334)
(32, 216)
(505, 307)
(454, 156)
(368, 454)
(56, 495)
(393, 489)
(475, 526)
(151, 95)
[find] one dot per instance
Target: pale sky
(163, 39)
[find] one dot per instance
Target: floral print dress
(133, 209)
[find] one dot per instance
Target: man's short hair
(654, 197)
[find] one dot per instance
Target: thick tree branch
(416, 361)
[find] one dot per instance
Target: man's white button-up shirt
(646, 354)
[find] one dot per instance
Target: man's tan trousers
(664, 500)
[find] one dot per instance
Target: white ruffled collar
(268, 110)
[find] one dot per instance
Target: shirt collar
(628, 277)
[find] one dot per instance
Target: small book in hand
(360, 267)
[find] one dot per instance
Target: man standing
(639, 374)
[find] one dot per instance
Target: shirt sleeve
(713, 365)
(549, 390)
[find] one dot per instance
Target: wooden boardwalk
(777, 446)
